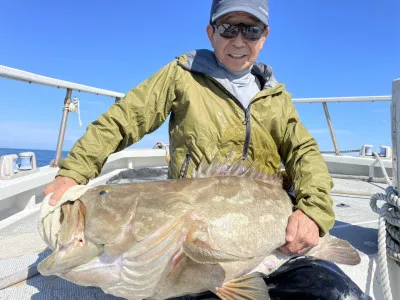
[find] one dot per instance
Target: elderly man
(220, 102)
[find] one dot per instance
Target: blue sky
(317, 48)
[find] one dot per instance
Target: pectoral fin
(250, 286)
(337, 250)
(199, 246)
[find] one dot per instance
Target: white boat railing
(343, 99)
(15, 74)
(20, 75)
(28, 77)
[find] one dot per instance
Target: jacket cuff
(324, 219)
(79, 178)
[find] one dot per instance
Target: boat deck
(21, 248)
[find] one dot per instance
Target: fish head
(110, 213)
(72, 248)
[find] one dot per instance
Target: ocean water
(43, 157)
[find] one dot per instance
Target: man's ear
(264, 37)
(266, 32)
(210, 34)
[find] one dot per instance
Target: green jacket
(206, 120)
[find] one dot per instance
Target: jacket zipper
(246, 121)
(185, 166)
(248, 132)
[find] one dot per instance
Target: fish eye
(103, 192)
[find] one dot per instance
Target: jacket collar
(204, 61)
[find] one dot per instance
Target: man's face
(236, 53)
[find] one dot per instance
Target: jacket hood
(204, 61)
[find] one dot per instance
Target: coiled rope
(388, 233)
(388, 230)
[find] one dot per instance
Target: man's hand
(302, 233)
(58, 187)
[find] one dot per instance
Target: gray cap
(257, 8)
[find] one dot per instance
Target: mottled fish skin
(157, 236)
(169, 238)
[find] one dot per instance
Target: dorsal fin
(239, 168)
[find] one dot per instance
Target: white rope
(388, 234)
(388, 181)
(74, 106)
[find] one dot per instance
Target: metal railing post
(63, 126)
(328, 119)
(395, 118)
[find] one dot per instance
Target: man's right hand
(58, 187)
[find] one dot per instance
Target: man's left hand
(302, 233)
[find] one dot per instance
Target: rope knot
(74, 106)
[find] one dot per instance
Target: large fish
(168, 238)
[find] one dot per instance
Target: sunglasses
(249, 32)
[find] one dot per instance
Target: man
(219, 103)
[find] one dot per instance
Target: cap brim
(246, 9)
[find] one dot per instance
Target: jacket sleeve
(307, 169)
(141, 111)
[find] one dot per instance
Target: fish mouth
(67, 257)
(72, 247)
(50, 264)
(62, 251)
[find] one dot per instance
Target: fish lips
(68, 257)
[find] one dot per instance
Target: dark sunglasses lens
(253, 33)
(228, 31)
